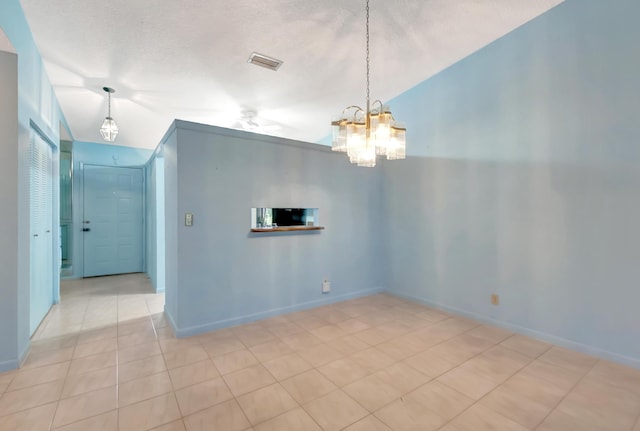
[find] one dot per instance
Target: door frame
(79, 213)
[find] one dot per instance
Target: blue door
(112, 225)
(41, 230)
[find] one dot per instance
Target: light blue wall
(37, 104)
(524, 182)
(108, 155)
(91, 153)
(9, 218)
(218, 273)
(160, 251)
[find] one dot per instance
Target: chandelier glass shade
(109, 129)
(367, 133)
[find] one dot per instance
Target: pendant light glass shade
(378, 134)
(365, 134)
(339, 130)
(397, 142)
(109, 129)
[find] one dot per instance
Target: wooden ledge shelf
(286, 228)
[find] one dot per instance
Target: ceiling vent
(264, 61)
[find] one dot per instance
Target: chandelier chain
(368, 98)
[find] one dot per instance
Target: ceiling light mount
(365, 134)
(248, 121)
(109, 129)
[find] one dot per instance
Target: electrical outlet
(326, 286)
(188, 219)
(495, 299)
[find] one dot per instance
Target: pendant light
(366, 133)
(109, 129)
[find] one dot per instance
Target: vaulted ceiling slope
(187, 59)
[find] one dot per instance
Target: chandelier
(366, 133)
(109, 129)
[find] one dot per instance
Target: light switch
(188, 219)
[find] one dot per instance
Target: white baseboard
(212, 326)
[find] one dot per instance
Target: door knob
(86, 229)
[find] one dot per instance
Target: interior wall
(9, 215)
(523, 181)
(92, 153)
(218, 273)
(169, 150)
(36, 105)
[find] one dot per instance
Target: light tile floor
(105, 359)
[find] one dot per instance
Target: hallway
(93, 305)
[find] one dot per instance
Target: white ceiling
(187, 59)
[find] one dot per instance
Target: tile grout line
(475, 402)
(64, 382)
(166, 365)
(434, 379)
(117, 361)
(69, 369)
(395, 361)
(276, 382)
(221, 377)
(636, 424)
(566, 394)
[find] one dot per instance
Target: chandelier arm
(379, 102)
(357, 109)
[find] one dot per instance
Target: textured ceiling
(187, 59)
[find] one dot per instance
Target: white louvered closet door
(41, 229)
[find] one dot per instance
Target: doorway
(66, 206)
(112, 225)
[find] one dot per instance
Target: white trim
(212, 326)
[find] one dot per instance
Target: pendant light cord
(109, 113)
(368, 98)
